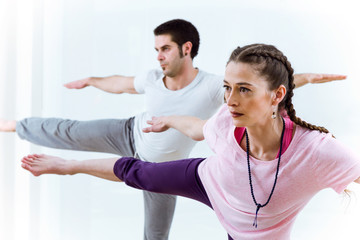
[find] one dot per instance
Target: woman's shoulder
(310, 141)
(322, 145)
(306, 133)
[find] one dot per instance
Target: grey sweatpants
(108, 136)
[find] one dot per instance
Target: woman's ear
(279, 94)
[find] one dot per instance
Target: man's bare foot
(44, 164)
(7, 125)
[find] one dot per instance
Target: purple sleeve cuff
(122, 167)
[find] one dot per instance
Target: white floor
(116, 213)
(87, 208)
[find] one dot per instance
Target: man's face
(169, 55)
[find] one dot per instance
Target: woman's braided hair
(271, 63)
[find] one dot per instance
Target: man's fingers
(78, 84)
(323, 78)
(333, 76)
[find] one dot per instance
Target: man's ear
(187, 48)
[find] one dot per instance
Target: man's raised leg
(7, 125)
(107, 135)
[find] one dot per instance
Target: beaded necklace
(258, 205)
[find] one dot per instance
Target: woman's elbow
(197, 137)
(357, 180)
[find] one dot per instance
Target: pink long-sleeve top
(312, 161)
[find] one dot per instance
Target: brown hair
(271, 63)
(180, 31)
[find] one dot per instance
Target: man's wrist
(91, 81)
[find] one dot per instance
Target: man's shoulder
(147, 78)
(150, 75)
(155, 74)
(210, 79)
(207, 75)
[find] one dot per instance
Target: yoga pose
(178, 88)
(267, 162)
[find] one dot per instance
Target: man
(179, 89)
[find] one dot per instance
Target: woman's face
(249, 100)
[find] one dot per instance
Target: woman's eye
(243, 89)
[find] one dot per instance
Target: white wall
(45, 43)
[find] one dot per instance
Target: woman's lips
(235, 114)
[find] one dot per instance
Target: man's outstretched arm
(113, 84)
(305, 78)
(121, 84)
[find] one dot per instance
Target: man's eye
(227, 88)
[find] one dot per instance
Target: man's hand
(78, 84)
(304, 78)
(113, 84)
(158, 124)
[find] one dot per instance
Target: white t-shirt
(201, 98)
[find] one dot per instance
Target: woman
(265, 168)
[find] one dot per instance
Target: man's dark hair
(181, 31)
